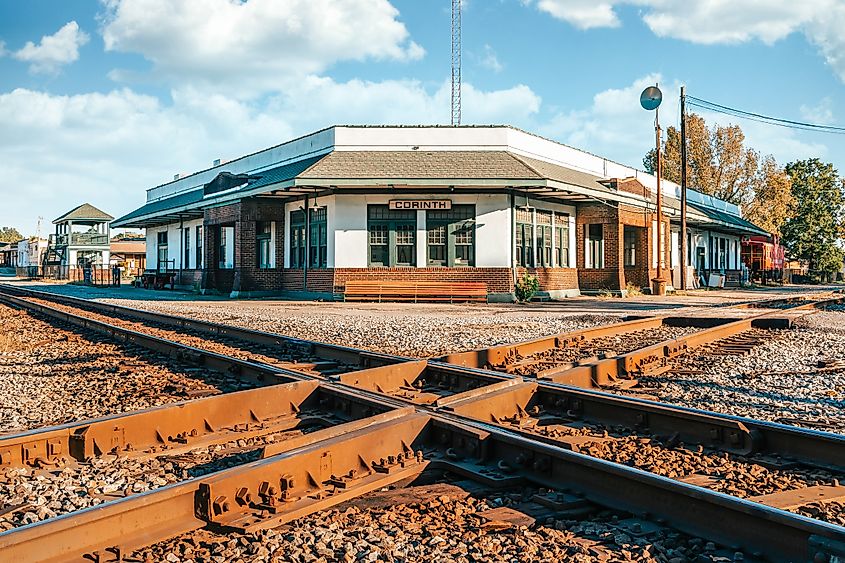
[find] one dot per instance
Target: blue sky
(100, 100)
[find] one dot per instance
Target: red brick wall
(552, 279)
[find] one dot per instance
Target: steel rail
(323, 472)
(345, 354)
(802, 540)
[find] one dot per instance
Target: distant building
(428, 203)
(30, 256)
(81, 239)
(130, 254)
(8, 254)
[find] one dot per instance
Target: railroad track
(308, 440)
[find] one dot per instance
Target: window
(630, 246)
(595, 246)
(226, 249)
(318, 253)
(562, 241)
(162, 250)
(263, 244)
(723, 253)
(451, 236)
(544, 238)
(525, 237)
(186, 249)
(199, 247)
(297, 239)
(392, 235)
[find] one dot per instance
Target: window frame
(161, 246)
(394, 221)
(198, 247)
(526, 256)
(186, 250)
(318, 239)
(296, 239)
(263, 244)
(455, 222)
(629, 260)
(594, 247)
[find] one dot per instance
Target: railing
(79, 239)
(86, 275)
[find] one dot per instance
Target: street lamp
(650, 100)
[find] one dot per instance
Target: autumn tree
(719, 164)
(815, 228)
(773, 202)
(10, 234)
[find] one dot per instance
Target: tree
(773, 202)
(816, 225)
(718, 162)
(10, 234)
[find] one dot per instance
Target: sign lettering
(421, 204)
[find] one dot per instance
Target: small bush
(604, 293)
(633, 290)
(526, 287)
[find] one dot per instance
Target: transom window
(451, 236)
(391, 236)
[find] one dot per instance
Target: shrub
(633, 290)
(526, 287)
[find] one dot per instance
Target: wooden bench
(415, 292)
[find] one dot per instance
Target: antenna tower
(456, 62)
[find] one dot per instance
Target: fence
(86, 275)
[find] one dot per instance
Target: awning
(725, 222)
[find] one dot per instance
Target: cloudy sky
(100, 100)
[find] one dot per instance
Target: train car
(764, 257)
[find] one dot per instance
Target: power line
(456, 62)
(787, 123)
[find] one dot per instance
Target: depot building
(428, 203)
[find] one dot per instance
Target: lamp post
(650, 100)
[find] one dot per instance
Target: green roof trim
(729, 220)
(194, 199)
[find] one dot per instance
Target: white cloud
(53, 51)
(720, 21)
(490, 61)
(254, 44)
(583, 14)
(821, 113)
(108, 148)
(3, 51)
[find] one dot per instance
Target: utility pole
(650, 100)
(684, 249)
(456, 62)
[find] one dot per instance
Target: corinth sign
(421, 204)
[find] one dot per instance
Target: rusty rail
(455, 425)
(326, 471)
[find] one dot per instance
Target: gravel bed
(49, 375)
(39, 494)
(618, 344)
(416, 334)
(444, 526)
(222, 345)
(779, 380)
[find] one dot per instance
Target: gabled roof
(85, 212)
(421, 164)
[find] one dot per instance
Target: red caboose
(764, 257)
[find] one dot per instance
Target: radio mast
(456, 62)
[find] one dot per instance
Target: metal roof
(84, 212)
(727, 221)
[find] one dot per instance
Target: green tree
(773, 202)
(815, 227)
(10, 234)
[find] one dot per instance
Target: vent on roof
(218, 162)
